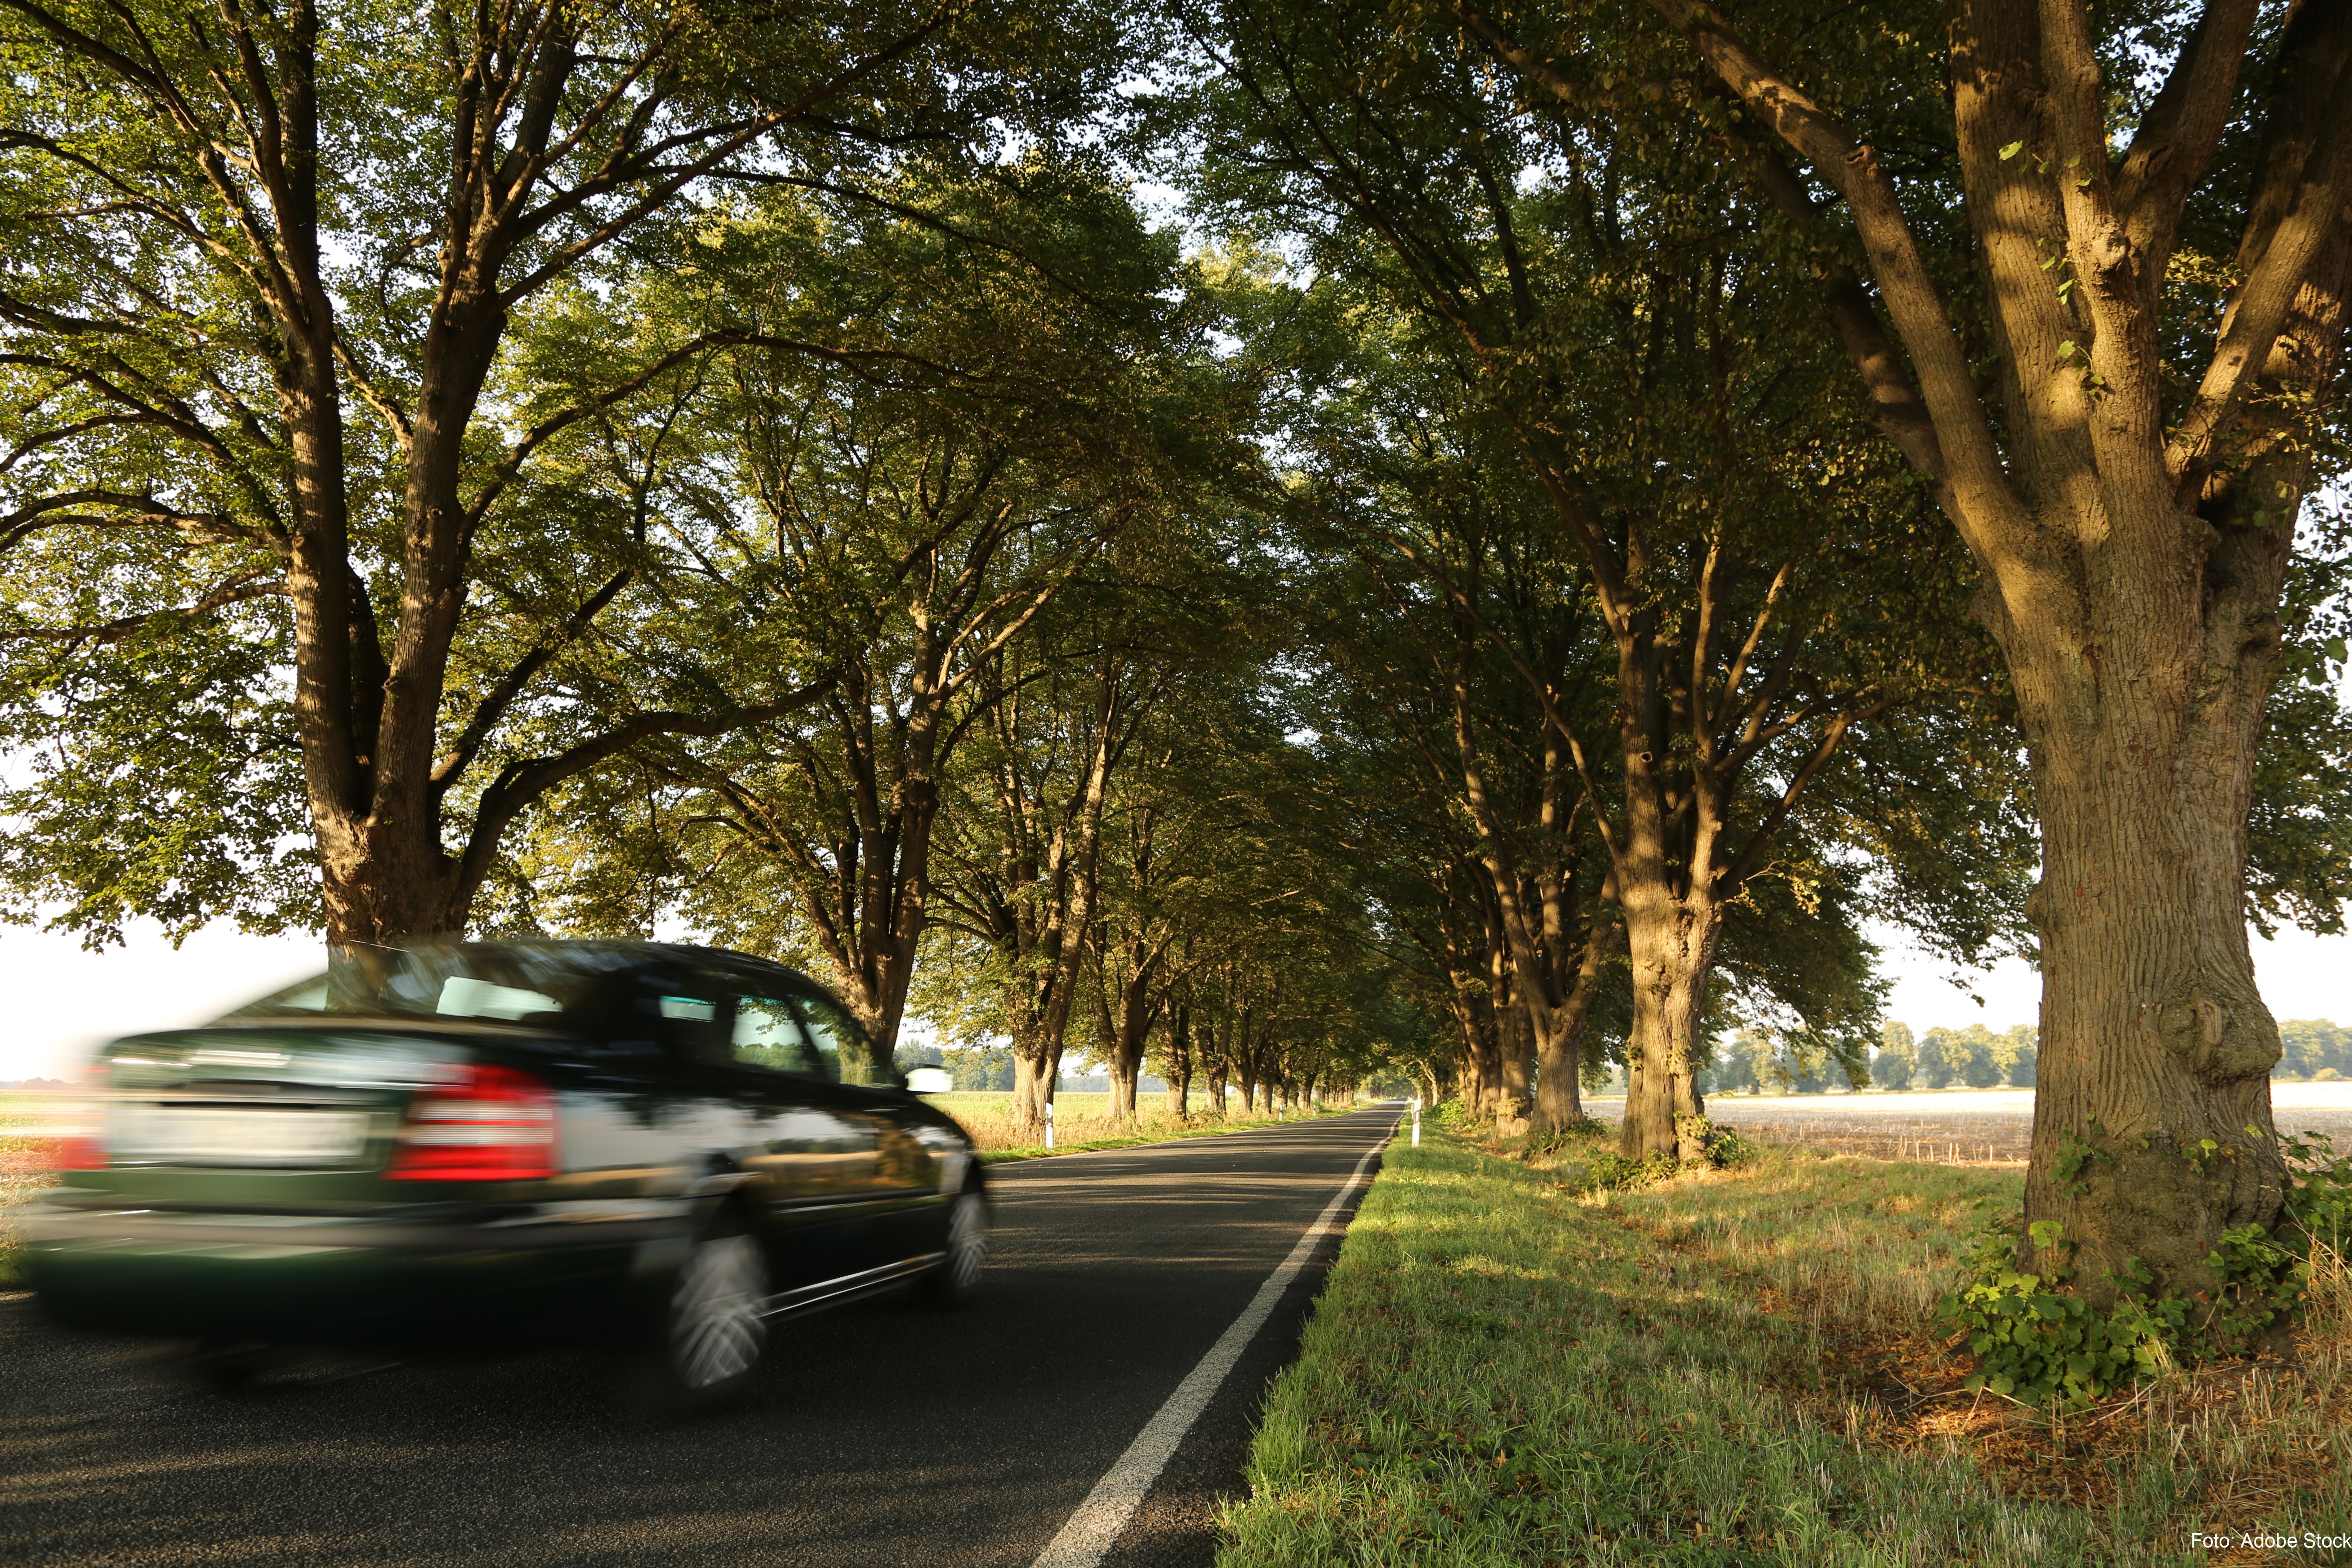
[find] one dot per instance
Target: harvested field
(1996, 1142)
(1983, 1128)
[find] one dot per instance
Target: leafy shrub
(2037, 1344)
(2320, 1198)
(1721, 1146)
(1614, 1172)
(1554, 1140)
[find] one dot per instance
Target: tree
(1410, 444)
(2113, 300)
(1897, 1057)
(1023, 862)
(1987, 1059)
(2314, 1046)
(1941, 1054)
(913, 526)
(1730, 1068)
(294, 300)
(2026, 1056)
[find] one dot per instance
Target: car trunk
(293, 1119)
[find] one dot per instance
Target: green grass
(1504, 1370)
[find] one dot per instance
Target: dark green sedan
(506, 1145)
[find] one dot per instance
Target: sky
(64, 1002)
(2300, 976)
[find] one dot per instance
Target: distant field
(24, 1114)
(1991, 1127)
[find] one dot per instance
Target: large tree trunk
(1667, 885)
(1672, 955)
(1179, 1061)
(1560, 1065)
(1511, 1089)
(1543, 1027)
(2154, 1036)
(1127, 1030)
(1038, 903)
(1036, 1071)
(1516, 1103)
(1481, 1066)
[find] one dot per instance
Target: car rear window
(503, 981)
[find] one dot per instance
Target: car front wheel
(958, 1274)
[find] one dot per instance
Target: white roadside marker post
(1049, 1124)
(1416, 1121)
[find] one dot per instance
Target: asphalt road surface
(877, 1433)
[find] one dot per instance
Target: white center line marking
(1088, 1533)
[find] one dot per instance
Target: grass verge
(1735, 1367)
(26, 1126)
(1082, 1128)
(23, 1169)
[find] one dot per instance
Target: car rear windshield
(518, 982)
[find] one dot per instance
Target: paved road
(878, 1434)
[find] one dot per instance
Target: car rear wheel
(715, 1330)
(958, 1274)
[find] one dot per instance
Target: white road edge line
(1089, 1532)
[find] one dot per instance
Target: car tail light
(82, 1142)
(485, 1124)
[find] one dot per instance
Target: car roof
(623, 946)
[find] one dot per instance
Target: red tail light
(82, 1142)
(488, 1125)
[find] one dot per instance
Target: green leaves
(2039, 1345)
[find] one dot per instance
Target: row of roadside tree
(1295, 539)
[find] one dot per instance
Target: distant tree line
(2315, 1049)
(1758, 1061)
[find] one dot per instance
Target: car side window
(768, 1036)
(839, 1041)
(681, 1014)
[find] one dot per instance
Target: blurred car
(505, 1145)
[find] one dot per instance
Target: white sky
(2302, 976)
(62, 1001)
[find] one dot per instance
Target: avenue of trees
(1275, 545)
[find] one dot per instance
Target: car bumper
(542, 1274)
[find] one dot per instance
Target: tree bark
(1179, 1062)
(1037, 1073)
(1560, 1089)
